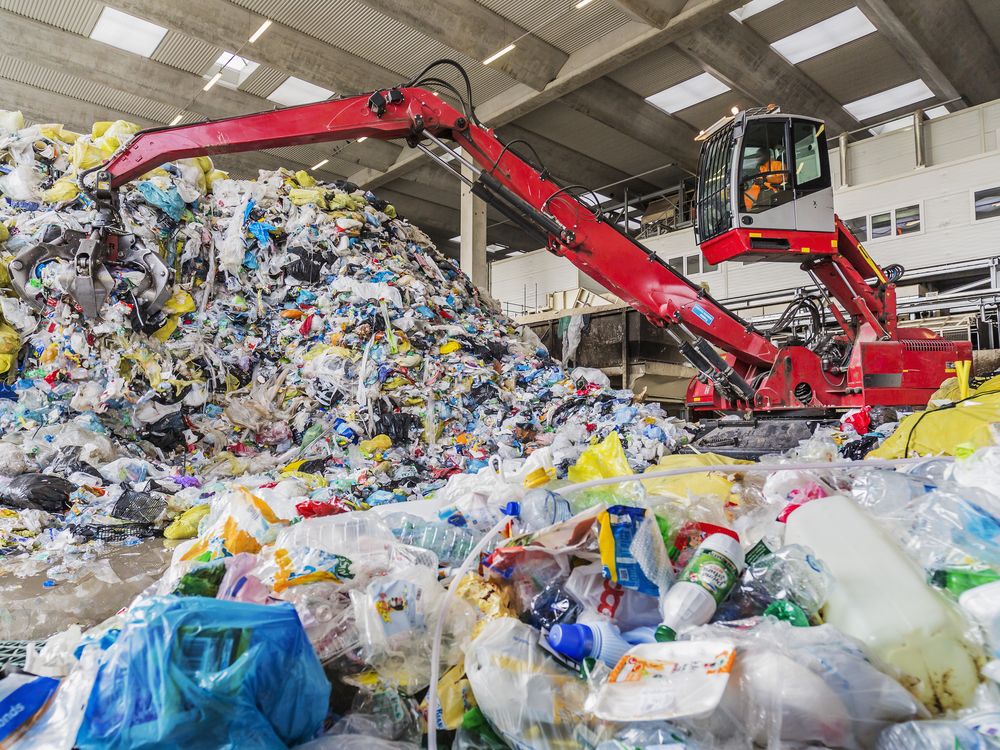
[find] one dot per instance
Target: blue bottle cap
(573, 641)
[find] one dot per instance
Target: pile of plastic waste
(392, 521)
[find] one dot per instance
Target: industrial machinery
(764, 195)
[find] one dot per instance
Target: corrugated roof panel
(77, 16)
(378, 38)
(858, 69)
(657, 71)
(57, 82)
(263, 81)
(560, 22)
(528, 14)
(574, 29)
(790, 16)
(187, 53)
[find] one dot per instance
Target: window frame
(868, 221)
(972, 203)
(787, 148)
(892, 219)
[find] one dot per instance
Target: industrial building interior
(610, 95)
(335, 336)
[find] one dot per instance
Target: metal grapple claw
(100, 265)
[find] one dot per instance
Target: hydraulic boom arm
(567, 226)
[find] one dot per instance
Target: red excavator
(764, 195)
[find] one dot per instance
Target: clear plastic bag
(802, 685)
(530, 699)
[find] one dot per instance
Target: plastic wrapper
(505, 664)
(201, 673)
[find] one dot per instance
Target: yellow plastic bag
(4, 233)
(692, 485)
(56, 132)
(305, 179)
(10, 343)
(601, 460)
(947, 430)
(64, 189)
(302, 196)
(378, 444)
(109, 136)
(185, 526)
(84, 155)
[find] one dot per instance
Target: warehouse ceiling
(611, 93)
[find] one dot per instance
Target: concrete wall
(962, 155)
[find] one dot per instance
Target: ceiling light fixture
(498, 55)
(735, 110)
(176, 120)
(583, 4)
(317, 166)
(212, 81)
(263, 27)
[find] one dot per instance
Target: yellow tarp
(949, 430)
(692, 485)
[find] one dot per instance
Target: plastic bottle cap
(574, 641)
(665, 634)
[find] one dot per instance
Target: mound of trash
(326, 496)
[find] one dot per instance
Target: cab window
(765, 178)
(812, 164)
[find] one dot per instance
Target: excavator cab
(764, 188)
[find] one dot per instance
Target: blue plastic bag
(191, 673)
(169, 201)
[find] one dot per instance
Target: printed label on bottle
(713, 571)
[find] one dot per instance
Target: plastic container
(705, 581)
(666, 681)
(599, 640)
(880, 598)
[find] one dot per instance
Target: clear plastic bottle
(932, 735)
(451, 544)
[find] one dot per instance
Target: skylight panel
(887, 101)
(234, 69)
(936, 112)
(824, 36)
(688, 93)
(296, 91)
(127, 32)
(752, 9)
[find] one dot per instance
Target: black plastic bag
(166, 433)
(37, 492)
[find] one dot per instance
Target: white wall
(962, 156)
(519, 279)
